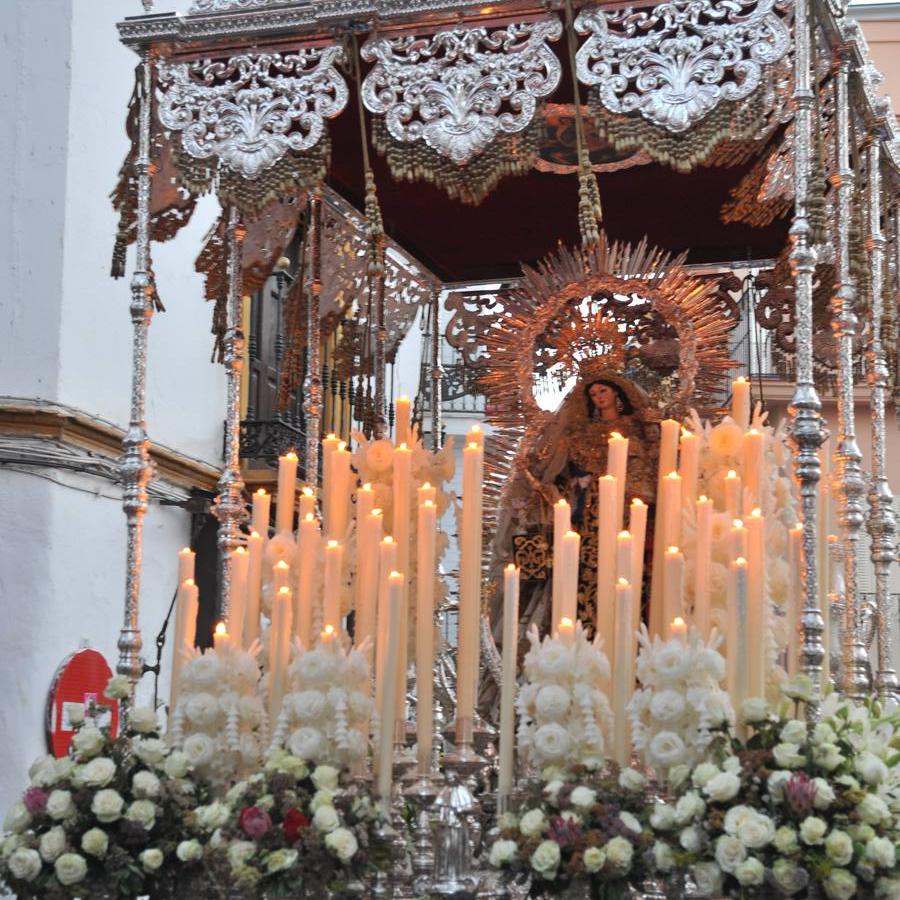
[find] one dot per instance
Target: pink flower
(35, 800)
(563, 830)
(800, 793)
(254, 822)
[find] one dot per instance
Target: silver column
(437, 372)
(136, 466)
(312, 386)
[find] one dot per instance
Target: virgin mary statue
(565, 461)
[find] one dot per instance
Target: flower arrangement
(680, 704)
(287, 830)
(791, 812)
(564, 718)
(586, 830)
(104, 819)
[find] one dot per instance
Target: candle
(672, 505)
(254, 587)
(329, 444)
(669, 432)
(402, 497)
(365, 502)
(737, 538)
(616, 465)
(338, 495)
(426, 536)
(562, 523)
(401, 418)
(624, 556)
(733, 495)
(753, 448)
(689, 459)
(308, 542)
(678, 628)
(570, 552)
(186, 608)
(287, 488)
(279, 650)
(366, 583)
(220, 637)
(387, 711)
(673, 586)
(281, 575)
(469, 585)
(427, 491)
(327, 637)
(756, 604)
(637, 525)
(702, 559)
(508, 683)
(237, 605)
(667, 534)
(740, 401)
(475, 436)
(793, 606)
(387, 563)
(262, 503)
(623, 683)
(565, 631)
(331, 606)
(186, 558)
(606, 568)
(307, 503)
(736, 617)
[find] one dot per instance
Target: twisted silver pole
(881, 525)
(230, 508)
(807, 432)
(312, 386)
(847, 455)
(437, 372)
(136, 467)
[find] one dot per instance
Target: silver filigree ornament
(248, 112)
(676, 63)
(459, 89)
(209, 6)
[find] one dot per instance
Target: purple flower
(35, 800)
(800, 793)
(562, 830)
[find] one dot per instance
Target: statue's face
(602, 396)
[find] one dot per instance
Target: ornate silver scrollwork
(459, 89)
(209, 6)
(249, 111)
(676, 63)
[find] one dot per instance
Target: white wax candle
(287, 488)
(624, 556)
(756, 610)
(637, 525)
(365, 502)
(617, 465)
(673, 587)
(672, 500)
(329, 445)
(426, 536)
(738, 680)
(426, 491)
(281, 575)
(740, 401)
(331, 605)
(737, 538)
(366, 584)
(571, 551)
(689, 460)
(733, 494)
(623, 682)
(186, 558)
(678, 628)
(606, 569)
(702, 560)
(262, 503)
(667, 533)
(186, 608)
(220, 638)
(387, 563)
(402, 502)
(254, 586)
(475, 436)
(565, 631)
(562, 523)
(669, 432)
(240, 562)
(305, 596)
(469, 584)
(794, 605)
(401, 419)
(279, 650)
(338, 496)
(753, 447)
(387, 710)
(508, 682)
(307, 503)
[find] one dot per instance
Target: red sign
(77, 686)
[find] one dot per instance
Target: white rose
(619, 853)
(730, 853)
(887, 889)
(754, 709)
(240, 852)
(873, 810)
(870, 768)
(881, 853)
(17, 818)
(630, 822)
(118, 687)
(70, 868)
(583, 797)
(325, 778)
(150, 751)
(305, 742)
(189, 851)
(145, 785)
(88, 742)
(594, 859)
(143, 812)
(794, 732)
(663, 817)
(663, 858)
(25, 864)
(788, 756)
(98, 772)
(689, 806)
(708, 878)
(691, 839)
(667, 706)
(42, 772)
(800, 687)
(10, 845)
(107, 805)
(533, 823)
(502, 853)
(142, 719)
(722, 787)
(861, 832)
(824, 794)
(95, 842)
(789, 877)
(281, 860)
(213, 816)
(552, 789)
(545, 858)
(732, 764)
(839, 884)
(632, 780)
(776, 783)
(678, 775)
(827, 756)
(703, 773)
(60, 805)
(735, 819)
(786, 840)
(750, 872)
(552, 742)
(552, 702)
(342, 843)
(326, 818)
(758, 831)
(52, 843)
(199, 751)
(666, 749)
(812, 830)
(151, 859)
(177, 764)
